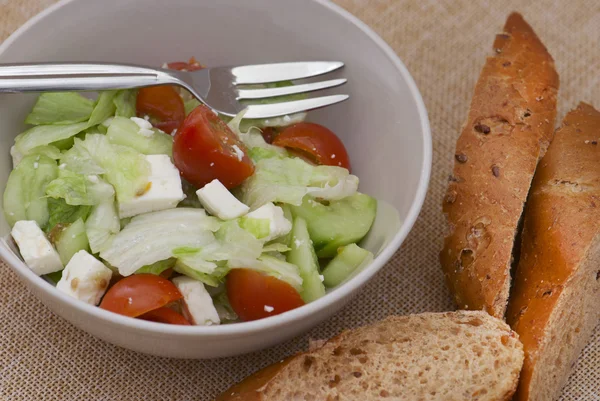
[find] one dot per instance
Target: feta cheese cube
(38, 253)
(278, 224)
(198, 305)
(164, 189)
(220, 202)
(144, 125)
(85, 278)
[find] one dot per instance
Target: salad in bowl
(148, 204)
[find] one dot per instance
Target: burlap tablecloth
(444, 44)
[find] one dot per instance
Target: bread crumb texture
(432, 356)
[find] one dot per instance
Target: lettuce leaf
(102, 225)
(77, 189)
(124, 102)
(288, 180)
(124, 168)
(252, 137)
(60, 108)
(104, 108)
(42, 135)
(151, 237)
(62, 213)
(191, 104)
(158, 267)
(123, 131)
(79, 160)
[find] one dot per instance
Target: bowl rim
(253, 327)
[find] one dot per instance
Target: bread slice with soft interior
(555, 301)
(465, 355)
(509, 127)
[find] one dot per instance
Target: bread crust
(452, 356)
(555, 302)
(509, 127)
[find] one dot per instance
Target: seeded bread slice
(432, 356)
(555, 302)
(509, 127)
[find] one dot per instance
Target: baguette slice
(433, 356)
(555, 302)
(508, 129)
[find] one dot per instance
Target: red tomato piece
(135, 295)
(320, 143)
(269, 134)
(205, 149)
(163, 104)
(254, 296)
(167, 273)
(191, 65)
(165, 315)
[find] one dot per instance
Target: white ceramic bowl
(384, 126)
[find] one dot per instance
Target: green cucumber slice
(348, 259)
(302, 254)
(339, 223)
(70, 240)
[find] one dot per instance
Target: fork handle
(79, 77)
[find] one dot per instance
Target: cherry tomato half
(191, 65)
(205, 149)
(269, 134)
(165, 315)
(254, 296)
(317, 141)
(163, 104)
(135, 295)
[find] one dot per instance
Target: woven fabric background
(444, 44)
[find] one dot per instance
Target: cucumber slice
(123, 131)
(344, 264)
(302, 254)
(25, 193)
(70, 240)
(339, 223)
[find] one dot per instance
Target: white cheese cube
(198, 305)
(144, 125)
(38, 253)
(220, 202)
(164, 190)
(278, 224)
(85, 278)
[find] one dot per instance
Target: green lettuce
(124, 168)
(158, 267)
(102, 225)
(60, 108)
(42, 135)
(288, 180)
(77, 189)
(104, 108)
(151, 237)
(124, 102)
(62, 213)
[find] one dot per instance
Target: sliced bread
(509, 127)
(432, 356)
(555, 302)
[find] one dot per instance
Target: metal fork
(220, 88)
